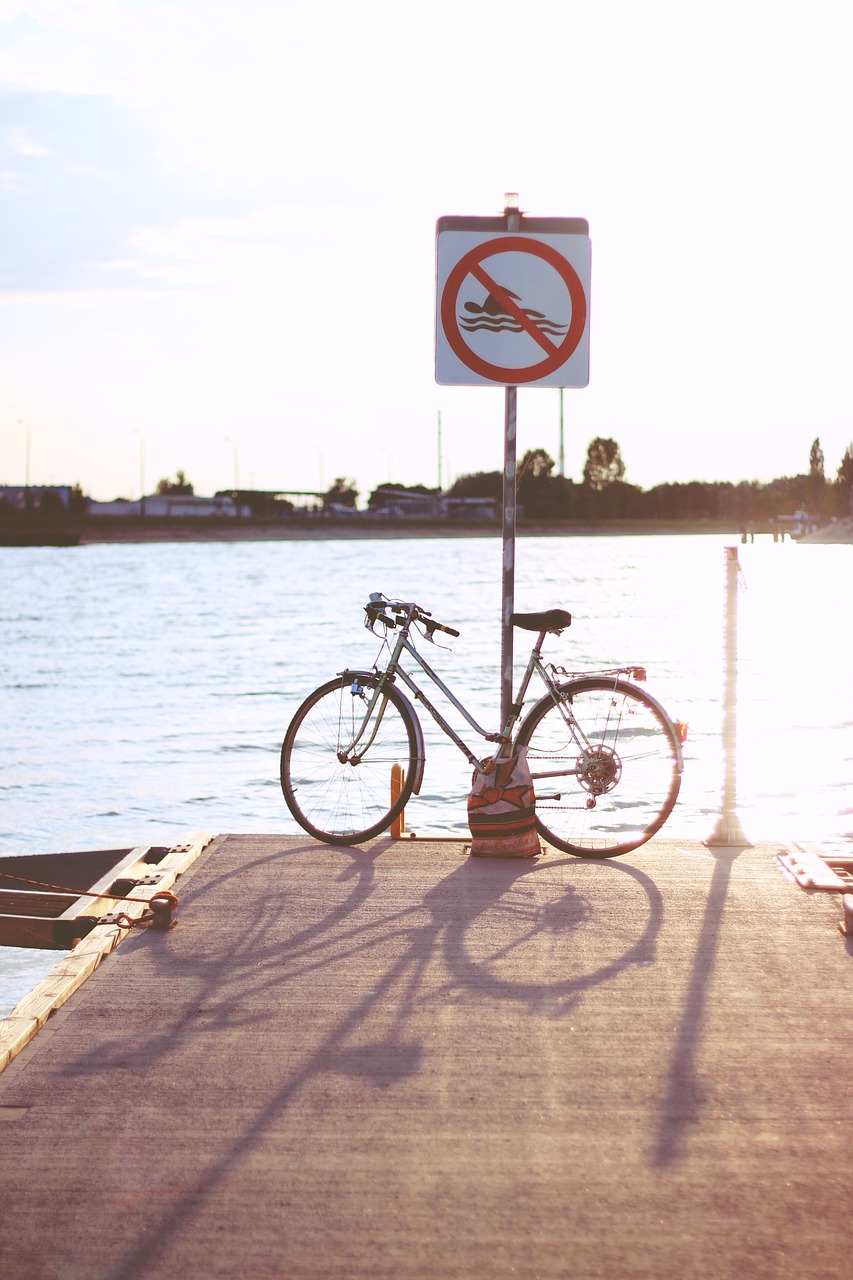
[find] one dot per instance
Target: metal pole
(439, 453)
(228, 440)
(562, 449)
(137, 432)
(513, 222)
(508, 558)
(728, 830)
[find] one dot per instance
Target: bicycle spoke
(346, 800)
(621, 770)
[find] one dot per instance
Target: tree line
(604, 493)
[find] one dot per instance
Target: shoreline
(139, 529)
(128, 529)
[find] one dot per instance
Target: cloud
(84, 177)
(13, 183)
(215, 210)
(21, 143)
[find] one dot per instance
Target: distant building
(471, 508)
(32, 497)
(265, 503)
(173, 506)
(406, 504)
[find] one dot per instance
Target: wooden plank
(16, 1032)
(31, 1013)
(810, 870)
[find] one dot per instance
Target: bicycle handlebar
(380, 609)
(438, 626)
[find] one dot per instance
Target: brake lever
(429, 630)
(373, 617)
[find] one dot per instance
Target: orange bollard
(398, 777)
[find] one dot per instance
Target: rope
(75, 893)
(158, 919)
(123, 920)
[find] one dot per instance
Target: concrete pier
(395, 1061)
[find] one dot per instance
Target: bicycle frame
(393, 671)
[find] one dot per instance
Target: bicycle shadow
(221, 987)
(496, 889)
(477, 920)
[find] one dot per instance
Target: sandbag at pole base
(502, 810)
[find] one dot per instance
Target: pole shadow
(682, 1105)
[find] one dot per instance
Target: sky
(218, 234)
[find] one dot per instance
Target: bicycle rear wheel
(333, 799)
(610, 788)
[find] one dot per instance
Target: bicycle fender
(547, 700)
(370, 678)
(667, 719)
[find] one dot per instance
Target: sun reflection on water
(795, 707)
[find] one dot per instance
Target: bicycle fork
(348, 755)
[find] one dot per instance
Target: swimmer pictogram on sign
(512, 309)
(494, 317)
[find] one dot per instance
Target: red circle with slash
(556, 353)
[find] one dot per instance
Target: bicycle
(605, 757)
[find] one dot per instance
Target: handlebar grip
(375, 614)
(432, 626)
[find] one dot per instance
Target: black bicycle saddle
(547, 620)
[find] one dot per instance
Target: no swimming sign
(512, 307)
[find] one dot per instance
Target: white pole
(728, 831)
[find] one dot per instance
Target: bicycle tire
(616, 797)
(333, 800)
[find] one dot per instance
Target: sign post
(512, 309)
(510, 496)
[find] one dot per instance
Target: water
(146, 688)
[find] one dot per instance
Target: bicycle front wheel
(341, 796)
(606, 766)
